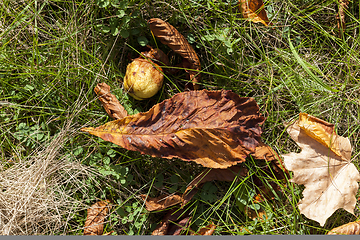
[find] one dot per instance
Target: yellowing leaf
(323, 132)
(330, 180)
(254, 11)
(216, 129)
(352, 228)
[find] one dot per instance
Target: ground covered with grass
(54, 52)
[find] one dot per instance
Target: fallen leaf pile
(219, 130)
(216, 129)
(323, 167)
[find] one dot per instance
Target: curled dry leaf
(352, 228)
(96, 214)
(164, 201)
(171, 37)
(216, 129)
(111, 104)
(156, 55)
(254, 11)
(330, 179)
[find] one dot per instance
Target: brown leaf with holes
(352, 228)
(216, 129)
(254, 11)
(340, 17)
(171, 37)
(324, 167)
(96, 215)
(111, 104)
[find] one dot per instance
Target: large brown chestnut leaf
(216, 129)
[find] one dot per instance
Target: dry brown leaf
(352, 228)
(216, 129)
(254, 11)
(171, 37)
(111, 104)
(96, 214)
(264, 151)
(340, 17)
(162, 202)
(161, 229)
(330, 180)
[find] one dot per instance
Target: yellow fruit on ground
(143, 79)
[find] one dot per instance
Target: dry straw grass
(37, 191)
